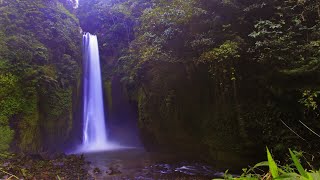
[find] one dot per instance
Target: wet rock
(55, 155)
(36, 157)
(96, 171)
(5, 164)
(34, 167)
(113, 171)
(28, 164)
(58, 163)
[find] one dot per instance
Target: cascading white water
(94, 126)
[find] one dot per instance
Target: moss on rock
(40, 48)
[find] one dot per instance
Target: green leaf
(298, 165)
(288, 176)
(24, 172)
(264, 163)
(272, 165)
(314, 175)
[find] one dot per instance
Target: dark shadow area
(122, 116)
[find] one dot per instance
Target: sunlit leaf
(298, 165)
(272, 165)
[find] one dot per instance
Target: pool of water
(138, 164)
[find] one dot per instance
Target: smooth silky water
(94, 124)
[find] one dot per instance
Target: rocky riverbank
(46, 166)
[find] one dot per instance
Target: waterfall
(94, 126)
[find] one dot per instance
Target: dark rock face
(189, 115)
(122, 114)
(113, 171)
(96, 171)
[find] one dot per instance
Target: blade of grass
(298, 165)
(11, 175)
(288, 176)
(315, 175)
(260, 164)
(272, 165)
(264, 163)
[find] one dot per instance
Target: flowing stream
(136, 164)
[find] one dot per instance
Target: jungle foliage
(275, 171)
(210, 70)
(202, 72)
(39, 54)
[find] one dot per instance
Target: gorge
(193, 87)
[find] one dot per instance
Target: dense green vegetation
(39, 55)
(287, 172)
(214, 71)
(213, 76)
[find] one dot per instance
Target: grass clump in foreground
(295, 171)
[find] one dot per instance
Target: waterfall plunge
(94, 126)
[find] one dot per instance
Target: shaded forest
(222, 78)
(214, 71)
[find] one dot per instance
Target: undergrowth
(294, 171)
